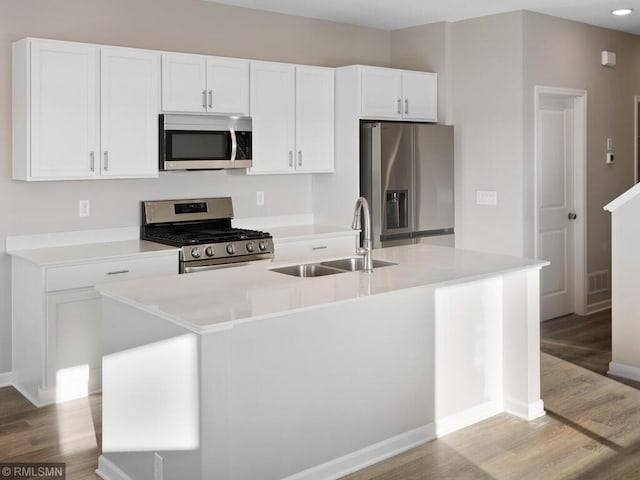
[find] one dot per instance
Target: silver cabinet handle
(321, 247)
(210, 98)
(204, 99)
(105, 163)
(406, 107)
(299, 158)
(92, 161)
(291, 158)
(399, 107)
(572, 216)
(118, 272)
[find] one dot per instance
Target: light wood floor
(591, 430)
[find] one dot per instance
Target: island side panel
(521, 312)
(309, 389)
(150, 400)
(468, 360)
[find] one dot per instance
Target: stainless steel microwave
(204, 142)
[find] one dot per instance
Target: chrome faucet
(362, 206)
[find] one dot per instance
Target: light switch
(260, 199)
(486, 197)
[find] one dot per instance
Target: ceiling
(395, 14)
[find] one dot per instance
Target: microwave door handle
(234, 145)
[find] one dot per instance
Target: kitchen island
(247, 373)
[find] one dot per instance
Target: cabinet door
(227, 86)
(184, 83)
(64, 110)
(74, 344)
(273, 116)
(420, 93)
(381, 91)
(130, 106)
(314, 119)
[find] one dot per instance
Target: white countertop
(47, 257)
(310, 231)
(217, 300)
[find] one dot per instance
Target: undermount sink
(342, 265)
(354, 264)
(307, 270)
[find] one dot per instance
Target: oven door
(204, 265)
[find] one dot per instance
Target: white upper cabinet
(314, 119)
(399, 94)
(199, 84)
(292, 111)
(83, 111)
(420, 96)
(55, 110)
(273, 117)
(184, 84)
(130, 91)
(381, 93)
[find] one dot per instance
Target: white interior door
(556, 204)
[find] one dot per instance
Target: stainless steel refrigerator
(406, 174)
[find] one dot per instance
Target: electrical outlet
(486, 197)
(158, 466)
(84, 208)
(260, 199)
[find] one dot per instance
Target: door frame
(580, 185)
(636, 126)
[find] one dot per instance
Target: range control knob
(263, 245)
(231, 249)
(196, 252)
(251, 247)
(209, 251)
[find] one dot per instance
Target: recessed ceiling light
(621, 12)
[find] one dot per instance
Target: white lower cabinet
(321, 247)
(57, 322)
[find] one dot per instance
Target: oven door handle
(234, 144)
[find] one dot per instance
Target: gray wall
(561, 53)
(486, 88)
(491, 65)
(176, 25)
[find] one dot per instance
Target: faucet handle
(361, 251)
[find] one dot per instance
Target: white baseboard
(360, 459)
(6, 379)
(624, 371)
(468, 417)
(598, 306)
(525, 411)
(108, 470)
(28, 395)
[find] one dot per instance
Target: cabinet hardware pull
(406, 107)
(322, 247)
(92, 161)
(291, 158)
(299, 158)
(106, 161)
(118, 272)
(204, 99)
(572, 216)
(210, 98)
(399, 107)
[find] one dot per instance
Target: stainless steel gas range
(202, 228)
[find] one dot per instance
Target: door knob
(572, 216)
